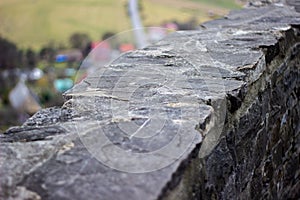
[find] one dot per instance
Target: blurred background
(43, 43)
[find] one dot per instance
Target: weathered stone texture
(235, 94)
(259, 157)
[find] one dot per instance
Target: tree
(79, 40)
(47, 53)
(9, 54)
(31, 59)
(107, 35)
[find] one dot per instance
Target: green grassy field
(33, 23)
(220, 3)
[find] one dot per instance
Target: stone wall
(214, 115)
(258, 155)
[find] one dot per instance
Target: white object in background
(137, 24)
(36, 74)
(19, 94)
(21, 98)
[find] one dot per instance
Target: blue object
(61, 58)
(63, 85)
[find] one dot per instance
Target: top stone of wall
(132, 129)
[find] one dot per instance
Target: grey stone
(223, 99)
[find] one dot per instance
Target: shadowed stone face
(203, 114)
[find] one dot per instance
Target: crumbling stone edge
(255, 158)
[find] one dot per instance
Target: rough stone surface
(229, 90)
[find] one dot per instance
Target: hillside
(32, 23)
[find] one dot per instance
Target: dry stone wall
(214, 114)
